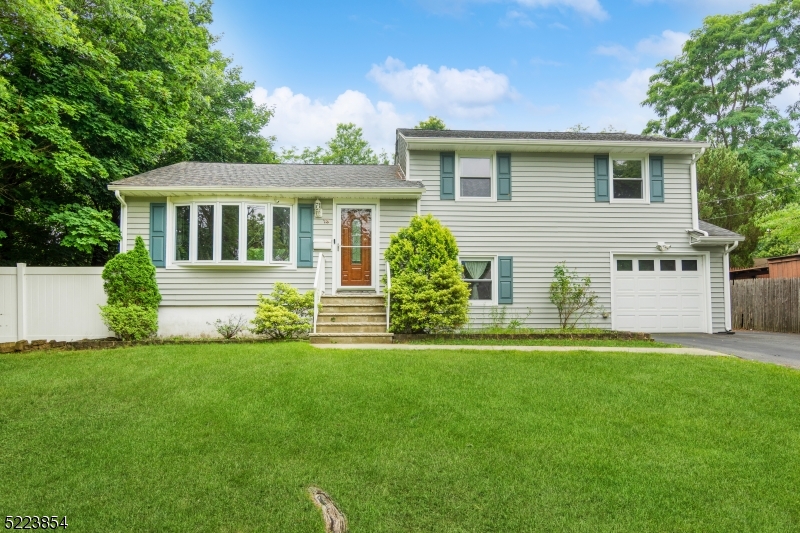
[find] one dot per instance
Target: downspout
(123, 222)
(727, 289)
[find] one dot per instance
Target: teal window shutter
(505, 280)
(305, 235)
(656, 179)
(504, 176)
(447, 176)
(158, 234)
(601, 184)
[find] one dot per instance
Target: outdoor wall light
(317, 209)
(662, 246)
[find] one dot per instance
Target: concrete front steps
(356, 319)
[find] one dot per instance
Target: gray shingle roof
(716, 231)
(239, 175)
(535, 135)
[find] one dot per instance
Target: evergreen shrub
(427, 294)
(129, 280)
(284, 314)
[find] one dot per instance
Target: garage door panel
(655, 301)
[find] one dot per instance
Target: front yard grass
(228, 438)
(549, 342)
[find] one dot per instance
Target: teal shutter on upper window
(505, 280)
(305, 235)
(656, 179)
(158, 234)
(447, 176)
(601, 178)
(504, 176)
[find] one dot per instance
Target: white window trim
(493, 259)
(645, 159)
(493, 187)
(218, 202)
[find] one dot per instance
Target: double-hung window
(232, 233)
(477, 272)
(628, 181)
(475, 176)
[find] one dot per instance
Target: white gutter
(414, 142)
(727, 289)
(123, 222)
(371, 192)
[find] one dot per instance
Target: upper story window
(628, 178)
(475, 177)
(232, 232)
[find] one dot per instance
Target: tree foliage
(427, 293)
(728, 197)
(85, 228)
(781, 232)
(431, 123)
(572, 296)
(92, 92)
(722, 88)
(347, 147)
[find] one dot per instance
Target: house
(787, 266)
(619, 208)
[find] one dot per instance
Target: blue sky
(536, 65)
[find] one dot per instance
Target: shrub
(427, 294)
(572, 296)
(284, 314)
(230, 327)
(130, 323)
(130, 278)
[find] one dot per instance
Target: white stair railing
(319, 287)
(388, 293)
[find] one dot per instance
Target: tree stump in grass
(335, 521)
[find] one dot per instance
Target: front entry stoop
(351, 319)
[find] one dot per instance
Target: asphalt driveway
(778, 348)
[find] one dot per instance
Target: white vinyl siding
(239, 285)
(139, 219)
(553, 217)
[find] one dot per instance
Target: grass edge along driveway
(228, 438)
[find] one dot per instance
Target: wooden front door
(356, 247)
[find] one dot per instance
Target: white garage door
(659, 295)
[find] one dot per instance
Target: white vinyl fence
(51, 303)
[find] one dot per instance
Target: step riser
(338, 308)
(351, 340)
(345, 319)
(353, 300)
(355, 329)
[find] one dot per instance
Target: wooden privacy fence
(766, 304)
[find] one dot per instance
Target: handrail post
(319, 288)
(388, 293)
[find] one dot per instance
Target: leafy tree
(730, 198)
(432, 123)
(723, 86)
(92, 92)
(347, 147)
(781, 232)
(85, 228)
(427, 293)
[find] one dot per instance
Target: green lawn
(549, 342)
(228, 437)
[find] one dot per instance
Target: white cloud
(462, 93)
(300, 121)
(587, 8)
(665, 46)
(618, 102)
(517, 17)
